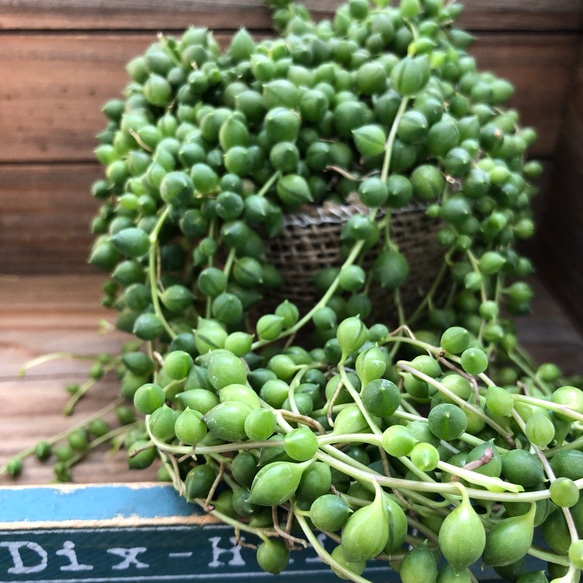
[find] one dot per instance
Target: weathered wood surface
(561, 241)
(253, 14)
(39, 315)
(50, 105)
(45, 217)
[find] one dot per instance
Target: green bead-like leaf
(390, 269)
(293, 190)
(410, 75)
(369, 140)
(509, 540)
(131, 242)
(233, 133)
(351, 335)
(350, 420)
(366, 532)
(275, 483)
(462, 537)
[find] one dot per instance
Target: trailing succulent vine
(408, 438)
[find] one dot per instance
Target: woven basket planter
(310, 241)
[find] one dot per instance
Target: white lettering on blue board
(129, 558)
(19, 567)
(235, 551)
(69, 553)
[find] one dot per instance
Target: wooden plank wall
(60, 60)
(560, 245)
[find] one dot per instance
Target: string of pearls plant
(429, 436)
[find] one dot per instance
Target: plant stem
(99, 440)
(331, 438)
(329, 455)
(55, 438)
(464, 404)
(210, 449)
(229, 262)
(551, 475)
(391, 139)
(292, 388)
(491, 484)
(433, 288)
(543, 404)
(356, 249)
(269, 183)
(324, 554)
(262, 534)
(152, 270)
(53, 356)
(548, 556)
(525, 368)
(85, 387)
(417, 525)
(576, 443)
(476, 267)
(399, 305)
(356, 398)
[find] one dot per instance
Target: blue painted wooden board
(91, 534)
(139, 532)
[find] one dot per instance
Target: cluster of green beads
(210, 148)
(401, 445)
(405, 461)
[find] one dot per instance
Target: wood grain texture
(39, 316)
(50, 105)
(37, 415)
(561, 249)
(43, 314)
(227, 14)
(45, 217)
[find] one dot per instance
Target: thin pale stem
(356, 398)
(543, 404)
(152, 260)
(53, 356)
(324, 554)
(432, 290)
(269, 183)
(76, 397)
(464, 404)
(229, 262)
(551, 475)
(356, 249)
(391, 139)
(55, 438)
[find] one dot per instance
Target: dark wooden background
(60, 60)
